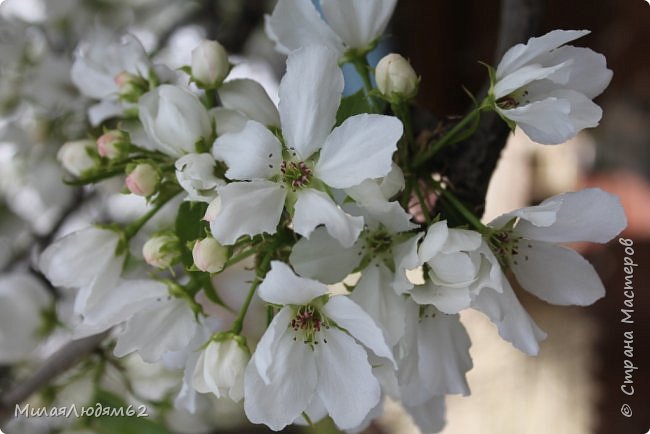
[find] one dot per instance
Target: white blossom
(313, 354)
(195, 173)
(359, 149)
(220, 369)
(547, 88)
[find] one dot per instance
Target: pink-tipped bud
(130, 86)
(213, 209)
(112, 144)
(209, 255)
(143, 180)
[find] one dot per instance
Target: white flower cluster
(280, 202)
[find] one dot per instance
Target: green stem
(238, 324)
(136, 225)
(240, 257)
(363, 69)
(402, 111)
(458, 206)
(444, 140)
(423, 203)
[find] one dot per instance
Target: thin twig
(58, 363)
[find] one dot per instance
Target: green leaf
(190, 225)
(352, 105)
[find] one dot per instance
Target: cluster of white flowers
(280, 202)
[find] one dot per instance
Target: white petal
(433, 241)
(542, 215)
(358, 323)
(252, 153)
(556, 274)
(310, 93)
(360, 148)
(547, 121)
(405, 256)
(447, 300)
(512, 320)
(122, 302)
(292, 387)
(378, 299)
(443, 348)
(589, 73)
(282, 286)
(586, 215)
(346, 384)
(455, 270)
(556, 73)
(76, 259)
(152, 332)
(266, 347)
(295, 24)
(323, 258)
(103, 110)
(315, 207)
(430, 416)
(249, 97)
(358, 22)
(521, 54)
(462, 240)
(248, 208)
(228, 121)
(106, 280)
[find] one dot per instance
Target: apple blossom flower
(459, 266)
(547, 88)
(195, 173)
(220, 369)
(525, 240)
(23, 300)
(248, 97)
(155, 322)
(313, 354)
(351, 24)
(210, 64)
(272, 174)
(174, 119)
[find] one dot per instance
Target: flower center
(514, 99)
(504, 245)
(379, 241)
(295, 173)
(307, 323)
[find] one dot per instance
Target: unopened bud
(213, 209)
(161, 251)
(209, 255)
(112, 144)
(210, 64)
(143, 180)
(395, 77)
(130, 86)
(74, 156)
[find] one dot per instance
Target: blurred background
(574, 385)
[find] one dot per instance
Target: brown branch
(58, 363)
(469, 165)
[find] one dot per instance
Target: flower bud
(209, 255)
(210, 64)
(112, 144)
(74, 156)
(220, 369)
(161, 251)
(130, 87)
(143, 180)
(395, 77)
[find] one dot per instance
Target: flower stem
(448, 137)
(458, 206)
(363, 69)
(238, 324)
(423, 203)
(401, 110)
(136, 225)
